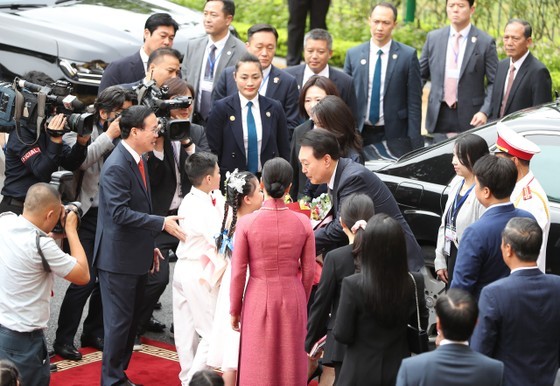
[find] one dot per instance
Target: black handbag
(416, 336)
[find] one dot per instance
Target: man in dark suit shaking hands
(453, 363)
(124, 244)
(320, 159)
(521, 80)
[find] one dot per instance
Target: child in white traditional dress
(243, 196)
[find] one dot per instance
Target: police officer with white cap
(528, 193)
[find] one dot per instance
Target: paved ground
(165, 315)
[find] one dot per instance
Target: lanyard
(452, 213)
(211, 63)
(264, 82)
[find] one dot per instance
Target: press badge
(450, 237)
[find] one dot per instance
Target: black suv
(74, 40)
(420, 181)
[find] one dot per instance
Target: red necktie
(142, 172)
(508, 90)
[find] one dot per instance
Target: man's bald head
(40, 198)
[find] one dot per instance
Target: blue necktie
(375, 91)
(252, 143)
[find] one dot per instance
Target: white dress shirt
(255, 109)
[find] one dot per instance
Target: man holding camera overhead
(34, 153)
(28, 257)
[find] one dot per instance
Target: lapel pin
(232, 118)
(395, 56)
(276, 80)
(363, 61)
(228, 53)
(473, 39)
(268, 114)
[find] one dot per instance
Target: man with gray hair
(317, 50)
(453, 362)
(520, 314)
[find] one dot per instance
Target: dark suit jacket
(476, 76)
(402, 93)
(338, 264)
(479, 258)
(124, 239)
(193, 60)
(374, 352)
(352, 177)
(532, 86)
(299, 181)
(342, 81)
(451, 365)
(518, 325)
(126, 70)
(281, 87)
(163, 179)
(225, 132)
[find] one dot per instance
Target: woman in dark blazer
(338, 264)
(375, 307)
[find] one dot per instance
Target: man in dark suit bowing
(159, 31)
(319, 155)
(247, 129)
(317, 50)
(277, 84)
(453, 363)
(388, 86)
(124, 243)
(520, 314)
(521, 80)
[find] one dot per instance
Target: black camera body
(64, 183)
(29, 105)
(154, 97)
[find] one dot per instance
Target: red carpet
(155, 364)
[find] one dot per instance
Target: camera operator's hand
(171, 226)
(57, 123)
(70, 221)
(114, 130)
(83, 139)
(188, 145)
(157, 257)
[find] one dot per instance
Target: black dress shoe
(157, 306)
(67, 351)
(92, 341)
(53, 368)
(155, 325)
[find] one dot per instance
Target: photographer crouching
(35, 149)
(28, 258)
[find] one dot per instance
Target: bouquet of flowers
(317, 209)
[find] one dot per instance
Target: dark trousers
(157, 281)
(28, 351)
(448, 120)
(298, 10)
(10, 204)
(122, 296)
(77, 295)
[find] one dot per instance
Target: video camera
(153, 97)
(29, 105)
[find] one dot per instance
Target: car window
(545, 163)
